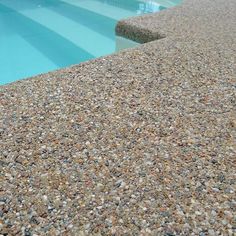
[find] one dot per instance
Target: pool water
(38, 36)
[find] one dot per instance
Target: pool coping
(147, 133)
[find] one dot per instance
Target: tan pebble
(211, 232)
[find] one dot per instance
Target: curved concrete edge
(140, 28)
(136, 33)
(190, 19)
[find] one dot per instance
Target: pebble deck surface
(137, 143)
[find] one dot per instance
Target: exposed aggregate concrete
(192, 18)
(137, 143)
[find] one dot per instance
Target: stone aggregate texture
(141, 142)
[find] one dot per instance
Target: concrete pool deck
(137, 143)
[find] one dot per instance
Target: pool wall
(124, 43)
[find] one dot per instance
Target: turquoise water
(38, 36)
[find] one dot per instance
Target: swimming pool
(38, 36)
